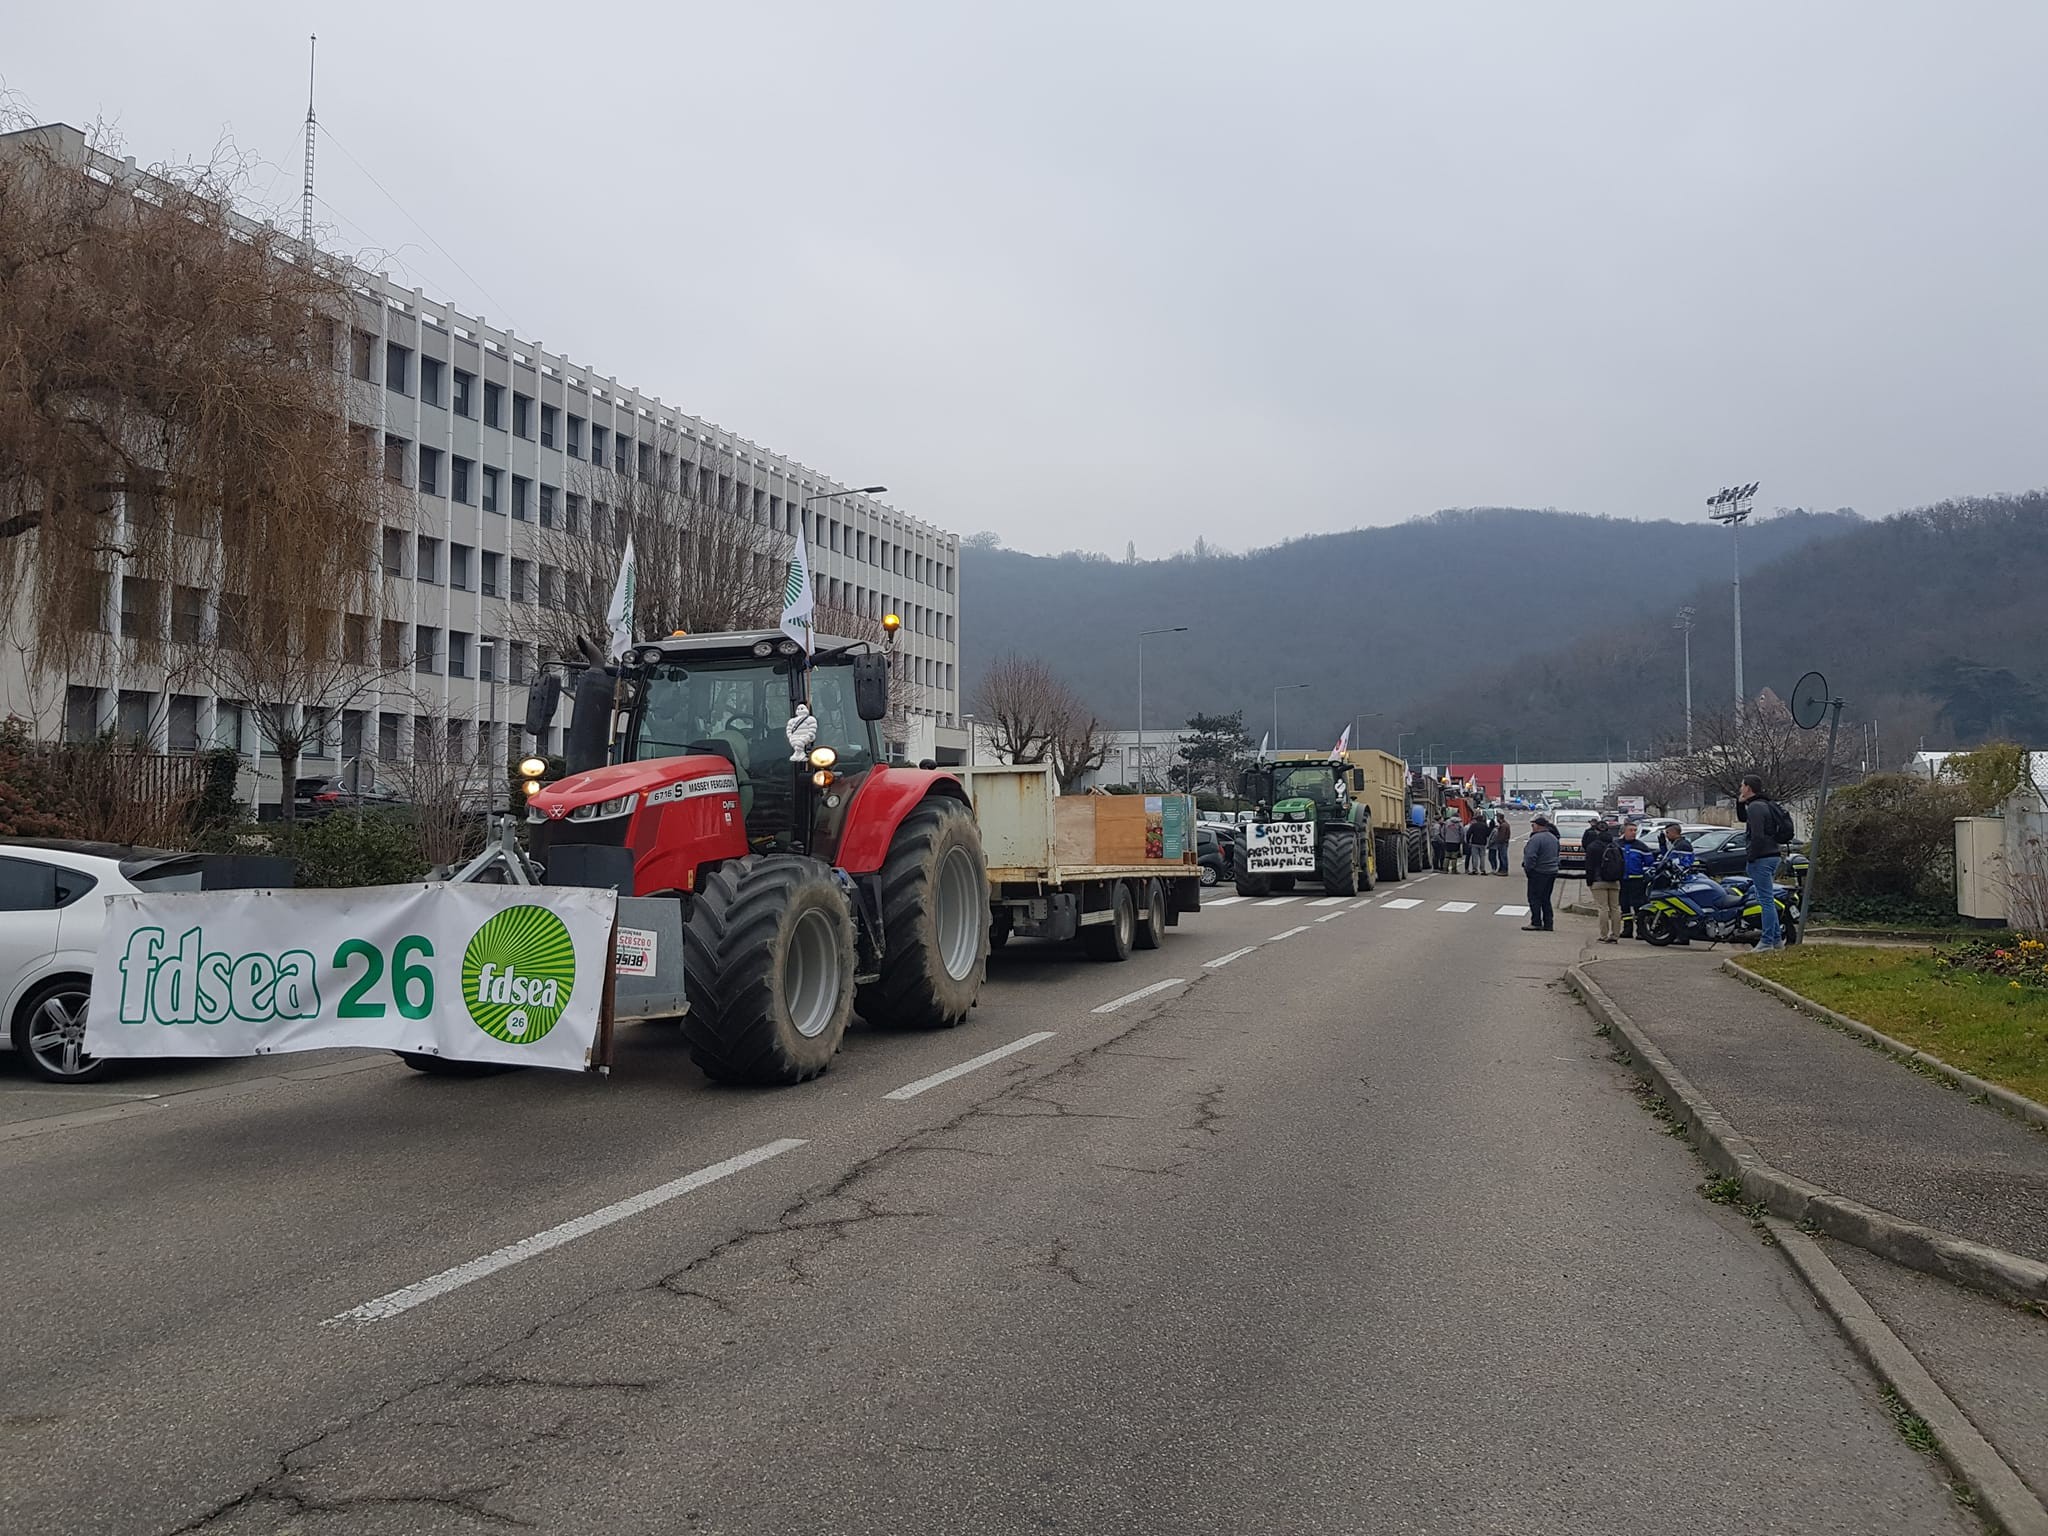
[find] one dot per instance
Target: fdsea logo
(517, 974)
(188, 984)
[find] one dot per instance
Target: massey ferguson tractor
(745, 779)
(1308, 825)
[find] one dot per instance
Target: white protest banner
(1280, 847)
(496, 973)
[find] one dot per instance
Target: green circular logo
(517, 974)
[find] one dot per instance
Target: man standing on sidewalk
(1604, 865)
(1766, 824)
(1539, 863)
(1497, 848)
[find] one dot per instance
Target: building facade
(493, 445)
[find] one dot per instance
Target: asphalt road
(1360, 1231)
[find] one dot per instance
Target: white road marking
(1287, 933)
(1225, 901)
(1329, 901)
(1430, 876)
(1357, 904)
(1456, 906)
(1510, 911)
(1402, 905)
(1328, 915)
(1131, 997)
(1278, 901)
(912, 1090)
(1222, 960)
(528, 1247)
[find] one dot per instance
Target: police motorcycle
(1684, 905)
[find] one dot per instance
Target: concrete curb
(2009, 1276)
(2015, 1104)
(2001, 1493)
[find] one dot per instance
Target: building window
(430, 380)
(572, 444)
(490, 582)
(426, 648)
(141, 606)
(597, 521)
(465, 393)
(494, 405)
(430, 471)
(427, 564)
(391, 645)
(394, 458)
(394, 552)
(188, 615)
(547, 506)
(522, 571)
(387, 737)
(491, 479)
(622, 454)
(550, 586)
(522, 415)
(81, 713)
(550, 425)
(458, 566)
(518, 663)
(458, 478)
(522, 497)
(355, 640)
(572, 513)
(181, 723)
(646, 465)
(487, 658)
(360, 362)
(131, 714)
(397, 366)
(227, 724)
(458, 653)
(597, 441)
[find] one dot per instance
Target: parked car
(1571, 826)
(1217, 853)
(1724, 851)
(52, 910)
(317, 797)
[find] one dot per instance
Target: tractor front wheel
(768, 967)
(935, 921)
(1337, 862)
(1250, 884)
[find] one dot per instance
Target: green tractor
(1309, 826)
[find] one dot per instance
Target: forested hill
(1368, 619)
(1932, 623)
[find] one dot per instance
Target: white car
(52, 909)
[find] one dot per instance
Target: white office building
(487, 435)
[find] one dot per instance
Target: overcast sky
(1082, 273)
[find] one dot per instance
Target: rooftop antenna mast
(312, 124)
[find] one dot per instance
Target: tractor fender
(885, 797)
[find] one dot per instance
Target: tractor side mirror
(588, 741)
(871, 686)
(542, 695)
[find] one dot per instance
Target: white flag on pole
(619, 616)
(799, 594)
(1343, 745)
(1265, 741)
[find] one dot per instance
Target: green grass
(1978, 1023)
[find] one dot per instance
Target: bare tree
(1020, 703)
(1080, 745)
(1661, 784)
(172, 403)
(704, 562)
(1760, 739)
(448, 777)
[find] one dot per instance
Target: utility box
(1982, 891)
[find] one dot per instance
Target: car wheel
(1208, 874)
(49, 1032)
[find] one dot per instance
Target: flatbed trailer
(1114, 871)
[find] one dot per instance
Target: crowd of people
(1475, 847)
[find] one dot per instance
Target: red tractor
(815, 878)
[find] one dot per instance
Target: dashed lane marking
(1329, 901)
(1131, 997)
(1287, 933)
(1278, 901)
(912, 1090)
(395, 1302)
(1222, 960)
(1225, 901)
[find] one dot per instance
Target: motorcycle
(1684, 905)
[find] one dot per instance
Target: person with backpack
(1770, 828)
(1604, 868)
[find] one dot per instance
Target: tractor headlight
(764, 647)
(788, 647)
(533, 767)
(822, 778)
(621, 805)
(823, 757)
(532, 787)
(650, 655)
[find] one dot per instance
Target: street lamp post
(1174, 629)
(1283, 688)
(1685, 618)
(1358, 740)
(1732, 505)
(1399, 737)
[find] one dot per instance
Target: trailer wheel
(1393, 851)
(1250, 884)
(1152, 924)
(935, 921)
(999, 925)
(1113, 940)
(1337, 862)
(768, 967)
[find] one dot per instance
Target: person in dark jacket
(1760, 819)
(1497, 845)
(1637, 857)
(1453, 834)
(1539, 864)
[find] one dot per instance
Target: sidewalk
(1826, 1108)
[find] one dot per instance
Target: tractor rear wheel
(1152, 921)
(1337, 862)
(935, 921)
(768, 967)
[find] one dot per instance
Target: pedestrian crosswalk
(1382, 902)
